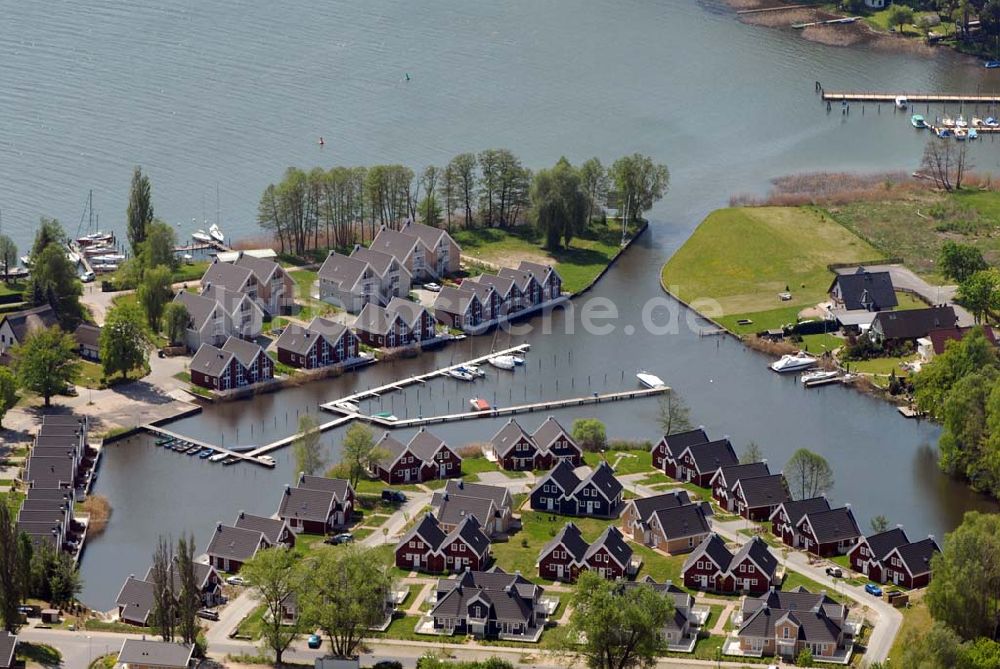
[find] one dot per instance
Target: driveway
(904, 278)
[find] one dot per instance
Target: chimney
(288, 489)
(847, 505)
(899, 526)
(931, 537)
(764, 461)
(218, 526)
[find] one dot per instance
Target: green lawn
(537, 529)
(12, 288)
(916, 622)
(880, 366)
(624, 462)
(39, 653)
(478, 465)
(192, 272)
(249, 627)
(794, 579)
(741, 258)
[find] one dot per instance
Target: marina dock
(912, 98)
(251, 456)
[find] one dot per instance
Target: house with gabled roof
(342, 491)
(784, 623)
(561, 491)
(312, 510)
(244, 316)
(500, 497)
(785, 518)
(714, 568)
(546, 276)
(826, 533)
(868, 555)
(135, 602)
(428, 547)
(555, 487)
(638, 510)
(908, 325)
(515, 450)
(321, 344)
(679, 529)
(232, 278)
(409, 250)
(394, 278)
(458, 308)
(275, 287)
(698, 462)
(863, 290)
(420, 322)
(563, 558)
(231, 547)
(451, 509)
(17, 325)
(552, 438)
(237, 364)
(276, 531)
(380, 328)
(438, 459)
(444, 255)
(88, 341)
(490, 604)
(143, 654)
(681, 630)
(756, 497)
(489, 298)
(510, 300)
(531, 290)
(610, 555)
(909, 565)
(208, 322)
(725, 479)
(8, 649)
(666, 451)
(206, 578)
(348, 283)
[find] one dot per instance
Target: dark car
(208, 614)
(393, 496)
(337, 539)
(835, 572)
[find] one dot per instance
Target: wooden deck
(912, 98)
(246, 457)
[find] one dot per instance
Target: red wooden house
(667, 449)
(610, 555)
(698, 463)
(868, 555)
(826, 533)
(427, 547)
(786, 517)
(756, 498)
(322, 343)
(712, 567)
(562, 558)
(515, 450)
(424, 458)
(725, 479)
(552, 438)
(909, 565)
(419, 321)
(379, 328)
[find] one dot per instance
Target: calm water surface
(208, 94)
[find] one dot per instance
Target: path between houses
(720, 625)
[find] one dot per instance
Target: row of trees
(176, 596)
(340, 206)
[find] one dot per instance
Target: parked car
(393, 496)
(337, 539)
(433, 287)
(835, 572)
(314, 641)
(87, 277)
(235, 580)
(208, 614)
(873, 589)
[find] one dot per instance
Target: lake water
(224, 96)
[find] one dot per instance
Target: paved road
(905, 279)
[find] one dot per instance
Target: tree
(158, 247)
(989, 20)
(980, 294)
(675, 416)
(429, 210)
(463, 171)
(8, 392)
(123, 342)
(616, 626)
(12, 591)
(751, 453)
(175, 322)
(308, 455)
(46, 362)
(273, 576)
(590, 434)
(946, 162)
(139, 213)
(54, 282)
(189, 597)
(360, 452)
(960, 358)
(805, 656)
(64, 582)
(558, 204)
(154, 294)
(639, 183)
(347, 596)
(164, 611)
(595, 183)
(8, 255)
(899, 15)
(49, 232)
(879, 523)
(960, 261)
(965, 591)
(808, 474)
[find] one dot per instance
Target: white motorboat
(960, 122)
(901, 102)
(348, 406)
(95, 238)
(502, 361)
(201, 236)
(793, 363)
(460, 375)
(818, 377)
(26, 261)
(650, 380)
(267, 460)
(216, 233)
(474, 370)
(109, 257)
(218, 457)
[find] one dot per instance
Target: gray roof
(818, 617)
(410, 312)
(499, 495)
(245, 351)
(481, 289)
(50, 468)
(332, 330)
(612, 540)
(394, 243)
(764, 490)
(681, 599)
(202, 572)
(263, 268)
(136, 600)
(342, 270)
(27, 321)
(711, 455)
(339, 487)
(913, 323)
(8, 646)
(234, 543)
(233, 278)
(271, 528)
(155, 653)
(297, 339)
(677, 442)
(510, 597)
(570, 538)
(522, 279)
(472, 533)
(834, 525)
(428, 529)
(501, 284)
(50, 494)
(538, 270)
(393, 449)
(645, 506)
(454, 300)
(306, 504)
(375, 319)
(379, 261)
(451, 509)
(563, 476)
(917, 555)
(429, 235)
(603, 478)
(87, 334)
(44, 505)
(549, 431)
(210, 361)
(757, 550)
(35, 529)
(682, 521)
(425, 444)
(883, 542)
(51, 516)
(796, 509)
(199, 308)
(734, 473)
(712, 547)
(861, 289)
(507, 436)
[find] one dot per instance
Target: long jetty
(250, 456)
(912, 98)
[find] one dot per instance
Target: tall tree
(273, 576)
(595, 182)
(616, 626)
(164, 612)
(308, 454)
(8, 255)
(123, 342)
(639, 183)
(879, 523)
(154, 293)
(675, 416)
(590, 433)
(960, 261)
(751, 454)
(64, 582)
(934, 382)
(899, 15)
(139, 213)
(808, 474)
(347, 596)
(49, 232)
(175, 322)
(430, 211)
(946, 162)
(980, 294)
(558, 205)
(158, 247)
(54, 282)
(451, 193)
(463, 167)
(8, 391)
(46, 362)
(189, 597)
(359, 451)
(12, 591)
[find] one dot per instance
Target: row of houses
(514, 449)
(238, 363)
(487, 299)
(425, 457)
(598, 494)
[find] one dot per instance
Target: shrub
(590, 434)
(473, 450)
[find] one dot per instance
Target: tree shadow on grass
(47, 656)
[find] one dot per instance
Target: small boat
(944, 132)
(818, 377)
(960, 122)
(194, 450)
(948, 122)
(650, 380)
(385, 415)
(165, 441)
(201, 236)
(26, 261)
(977, 122)
(518, 360)
(231, 460)
(267, 460)
(973, 134)
(109, 258)
(216, 233)
(188, 259)
(95, 238)
(902, 102)
(918, 121)
(961, 134)
(218, 457)
(474, 370)
(205, 453)
(460, 375)
(793, 363)
(992, 64)
(479, 404)
(502, 361)
(991, 122)
(348, 406)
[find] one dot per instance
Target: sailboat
(201, 236)
(93, 235)
(216, 233)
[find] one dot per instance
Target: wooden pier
(912, 98)
(247, 457)
(289, 440)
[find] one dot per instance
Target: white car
(433, 287)
(235, 580)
